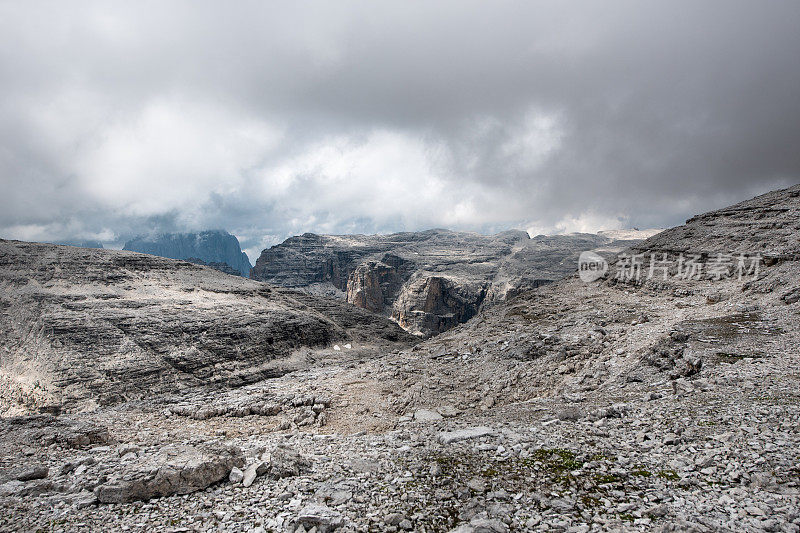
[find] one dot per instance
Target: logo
(591, 266)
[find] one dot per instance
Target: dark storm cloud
(120, 118)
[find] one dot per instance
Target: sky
(272, 119)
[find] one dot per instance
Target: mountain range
(429, 281)
(663, 395)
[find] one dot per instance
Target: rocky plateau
(172, 397)
(82, 327)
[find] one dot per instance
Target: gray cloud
(269, 120)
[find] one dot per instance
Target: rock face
(321, 517)
(48, 430)
(428, 281)
(102, 326)
(307, 259)
(435, 303)
(210, 247)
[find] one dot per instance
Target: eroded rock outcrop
(432, 303)
(216, 265)
(432, 280)
(49, 430)
(309, 259)
(375, 285)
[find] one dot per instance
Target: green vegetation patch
(730, 357)
(669, 475)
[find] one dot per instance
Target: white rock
(173, 469)
(426, 415)
(486, 525)
(236, 475)
(447, 411)
(250, 473)
(449, 437)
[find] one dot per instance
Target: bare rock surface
(449, 437)
(62, 431)
(428, 281)
(81, 327)
(321, 517)
(767, 224)
(173, 469)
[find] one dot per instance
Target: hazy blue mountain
(213, 246)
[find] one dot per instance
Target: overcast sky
(272, 119)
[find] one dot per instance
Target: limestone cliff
(427, 281)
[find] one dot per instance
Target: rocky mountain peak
(212, 246)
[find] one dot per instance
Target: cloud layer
(270, 120)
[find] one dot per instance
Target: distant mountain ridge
(210, 247)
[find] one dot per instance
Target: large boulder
(321, 517)
(173, 469)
